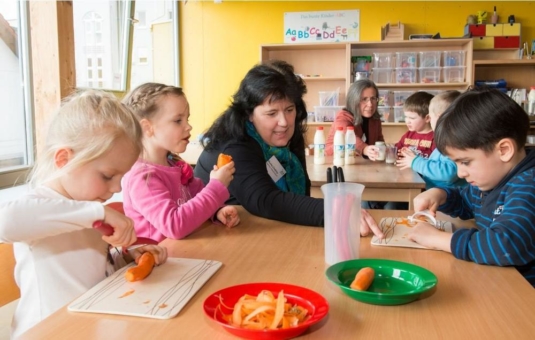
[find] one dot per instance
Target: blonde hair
(89, 123)
(143, 100)
(442, 101)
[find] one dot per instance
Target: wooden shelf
(323, 78)
(505, 62)
(422, 85)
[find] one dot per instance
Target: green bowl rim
(430, 280)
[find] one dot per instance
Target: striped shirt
(505, 220)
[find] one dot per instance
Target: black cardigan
(254, 189)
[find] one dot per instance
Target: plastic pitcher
(342, 221)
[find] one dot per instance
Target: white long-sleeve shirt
(59, 255)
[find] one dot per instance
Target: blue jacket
(437, 171)
(505, 220)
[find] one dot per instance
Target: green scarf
(294, 180)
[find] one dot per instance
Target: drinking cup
(342, 221)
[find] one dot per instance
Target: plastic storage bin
(400, 97)
(406, 75)
(383, 60)
(453, 58)
(384, 112)
(429, 74)
(454, 74)
(430, 58)
(399, 116)
(385, 98)
(326, 113)
(406, 60)
(382, 75)
(328, 98)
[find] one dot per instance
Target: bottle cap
(319, 128)
(532, 88)
(340, 128)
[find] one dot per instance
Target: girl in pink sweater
(160, 193)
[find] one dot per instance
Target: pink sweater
(162, 207)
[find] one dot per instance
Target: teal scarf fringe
(294, 180)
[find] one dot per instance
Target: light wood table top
(370, 174)
(470, 301)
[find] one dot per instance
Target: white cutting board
(161, 295)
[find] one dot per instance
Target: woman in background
(361, 112)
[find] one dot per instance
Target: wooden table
(470, 301)
(383, 182)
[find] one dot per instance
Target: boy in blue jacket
(437, 170)
(484, 133)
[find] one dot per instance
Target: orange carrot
(223, 159)
(144, 267)
(363, 279)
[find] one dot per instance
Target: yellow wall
(221, 42)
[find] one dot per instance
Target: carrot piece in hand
(144, 267)
(223, 159)
(363, 279)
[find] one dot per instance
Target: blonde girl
(161, 195)
(92, 141)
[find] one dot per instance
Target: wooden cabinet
(327, 67)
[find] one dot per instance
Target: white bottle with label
(339, 147)
(351, 142)
(381, 150)
(531, 101)
(319, 146)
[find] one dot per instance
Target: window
(155, 50)
(16, 130)
(101, 36)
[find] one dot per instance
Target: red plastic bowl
(316, 305)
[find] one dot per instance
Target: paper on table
(396, 231)
(161, 295)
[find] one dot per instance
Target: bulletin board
(325, 26)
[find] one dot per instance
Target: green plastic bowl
(395, 282)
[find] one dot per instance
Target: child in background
(437, 170)
(484, 133)
(161, 195)
(92, 141)
(418, 141)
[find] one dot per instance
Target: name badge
(275, 169)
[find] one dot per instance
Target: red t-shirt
(422, 144)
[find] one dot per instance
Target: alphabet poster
(326, 26)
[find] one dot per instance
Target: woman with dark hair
(361, 112)
(263, 130)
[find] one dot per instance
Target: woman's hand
(228, 215)
(368, 224)
(223, 174)
(371, 151)
(123, 228)
(159, 253)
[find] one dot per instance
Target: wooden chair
(9, 291)
(8, 287)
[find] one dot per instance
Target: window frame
(17, 174)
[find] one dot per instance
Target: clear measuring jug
(342, 221)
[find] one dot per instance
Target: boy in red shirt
(419, 139)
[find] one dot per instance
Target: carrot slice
(363, 279)
(142, 270)
(223, 159)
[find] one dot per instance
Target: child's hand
(430, 200)
(123, 228)
(428, 236)
(371, 151)
(405, 159)
(160, 253)
(224, 174)
(228, 215)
